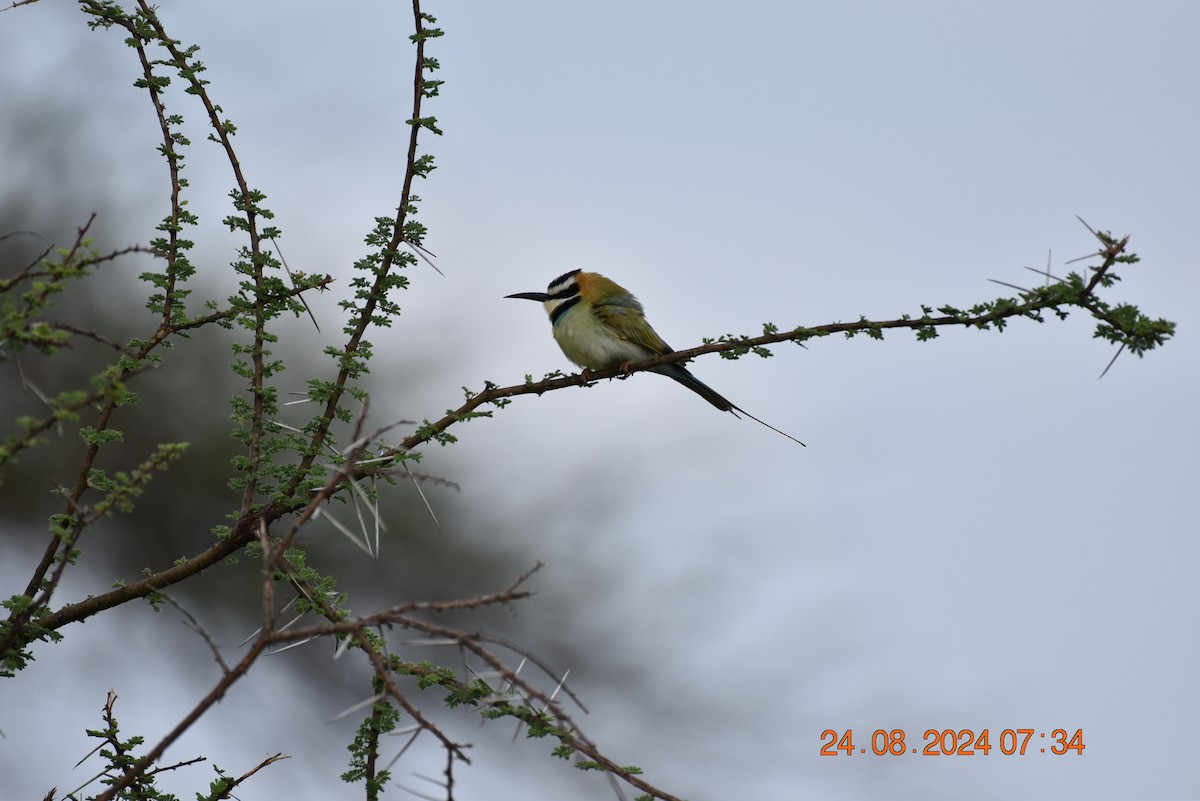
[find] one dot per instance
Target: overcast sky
(979, 534)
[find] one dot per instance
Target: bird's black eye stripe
(561, 309)
(562, 278)
(566, 292)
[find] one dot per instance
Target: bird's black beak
(540, 297)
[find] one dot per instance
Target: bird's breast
(589, 343)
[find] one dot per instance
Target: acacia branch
(218, 692)
(567, 731)
(387, 264)
(1034, 302)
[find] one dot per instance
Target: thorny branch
(1034, 302)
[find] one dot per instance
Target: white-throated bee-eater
(599, 324)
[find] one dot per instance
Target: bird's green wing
(628, 323)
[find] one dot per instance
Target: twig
(194, 624)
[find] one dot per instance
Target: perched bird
(599, 324)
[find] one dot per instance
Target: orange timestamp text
(955, 742)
